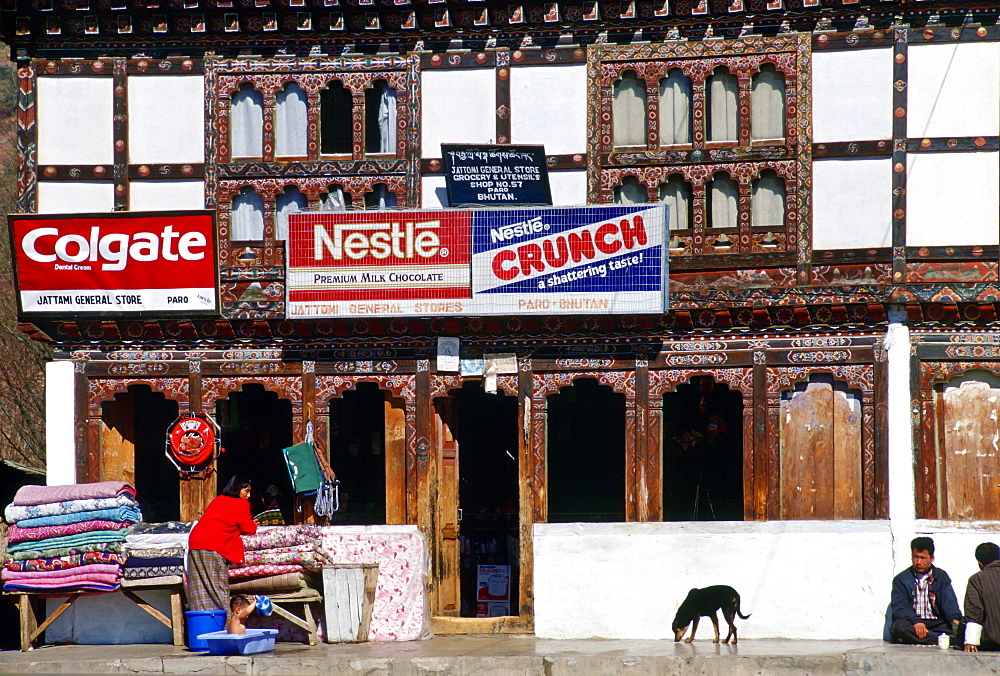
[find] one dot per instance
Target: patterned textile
(81, 585)
(46, 581)
(207, 581)
(270, 584)
(311, 560)
(156, 540)
(146, 561)
(115, 547)
(401, 610)
(152, 581)
(14, 513)
(282, 536)
(89, 569)
(154, 553)
(140, 572)
(64, 562)
(40, 495)
(270, 517)
(240, 572)
(129, 514)
(96, 536)
(19, 534)
(162, 528)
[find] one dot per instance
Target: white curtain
(676, 193)
(723, 95)
(675, 108)
(387, 119)
(247, 217)
(767, 201)
(289, 202)
(723, 201)
(768, 96)
(380, 197)
(246, 123)
(333, 200)
(629, 111)
(630, 192)
(291, 120)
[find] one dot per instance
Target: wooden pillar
(540, 506)
(197, 489)
(526, 488)
(881, 432)
(395, 460)
(633, 458)
(759, 449)
(868, 508)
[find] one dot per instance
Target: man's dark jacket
(944, 603)
(982, 602)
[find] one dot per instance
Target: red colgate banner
(128, 262)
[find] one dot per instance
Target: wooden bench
(306, 597)
(31, 629)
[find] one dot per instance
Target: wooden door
(821, 454)
(446, 551)
(968, 438)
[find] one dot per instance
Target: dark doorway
(703, 452)
(336, 119)
(256, 426)
(137, 423)
(586, 453)
(357, 454)
(484, 426)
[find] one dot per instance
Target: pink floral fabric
(282, 536)
(40, 495)
(89, 569)
(310, 558)
(401, 611)
(258, 570)
(17, 534)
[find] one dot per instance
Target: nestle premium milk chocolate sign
(118, 263)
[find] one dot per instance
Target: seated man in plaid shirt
(924, 605)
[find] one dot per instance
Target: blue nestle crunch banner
(569, 260)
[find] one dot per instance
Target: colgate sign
(124, 262)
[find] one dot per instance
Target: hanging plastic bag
(303, 467)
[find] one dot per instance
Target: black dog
(704, 602)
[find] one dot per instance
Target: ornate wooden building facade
(831, 350)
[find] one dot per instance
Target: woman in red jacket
(214, 542)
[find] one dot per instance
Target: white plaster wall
(852, 206)
(60, 407)
(852, 95)
(89, 619)
(75, 120)
(457, 106)
(166, 118)
(953, 89)
(72, 197)
(166, 195)
(798, 579)
(953, 199)
(549, 106)
(568, 188)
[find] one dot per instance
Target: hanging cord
(328, 495)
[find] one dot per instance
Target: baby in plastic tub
(241, 608)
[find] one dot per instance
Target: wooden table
(306, 597)
(31, 629)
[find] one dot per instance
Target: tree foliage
(22, 360)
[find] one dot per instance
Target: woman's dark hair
(235, 485)
(272, 496)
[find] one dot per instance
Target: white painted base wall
(798, 579)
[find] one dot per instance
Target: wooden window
(629, 111)
(246, 122)
(335, 120)
(247, 216)
(820, 451)
(291, 122)
(380, 118)
(717, 125)
(968, 459)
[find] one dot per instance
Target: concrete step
(515, 656)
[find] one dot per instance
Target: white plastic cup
(944, 641)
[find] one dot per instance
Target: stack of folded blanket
(156, 553)
(68, 537)
(279, 559)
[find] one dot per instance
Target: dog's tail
(739, 612)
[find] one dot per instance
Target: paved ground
(515, 656)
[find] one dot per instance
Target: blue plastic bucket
(203, 622)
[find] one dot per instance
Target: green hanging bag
(303, 467)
